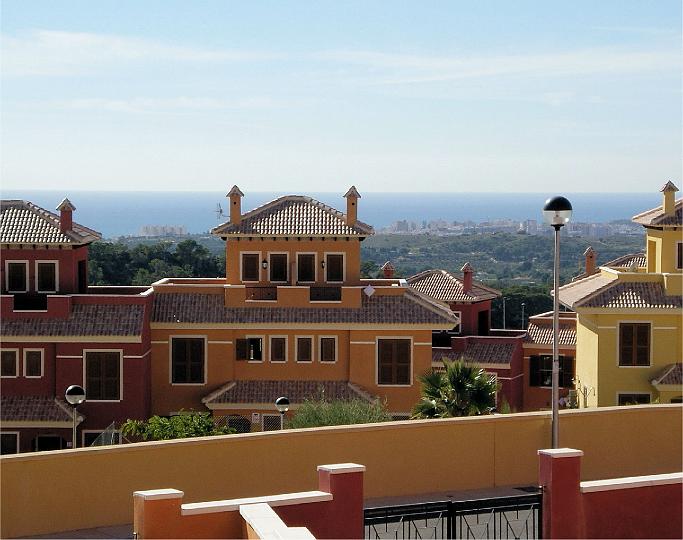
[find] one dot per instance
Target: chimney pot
(589, 254)
(467, 272)
(351, 197)
(235, 195)
(388, 270)
(669, 198)
(66, 209)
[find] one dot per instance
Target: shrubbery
(314, 413)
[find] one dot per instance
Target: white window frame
(170, 358)
(263, 348)
(343, 254)
(412, 362)
(315, 266)
(83, 432)
(630, 393)
(16, 364)
(320, 349)
(270, 348)
(242, 254)
(42, 363)
(296, 349)
(618, 340)
(85, 379)
(26, 281)
(679, 245)
(270, 262)
(35, 276)
(17, 436)
(459, 315)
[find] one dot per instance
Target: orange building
(292, 317)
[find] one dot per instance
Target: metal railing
(500, 517)
(325, 294)
(261, 293)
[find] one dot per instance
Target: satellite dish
(369, 291)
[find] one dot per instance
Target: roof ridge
(429, 303)
(665, 372)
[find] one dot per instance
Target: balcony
(261, 294)
(30, 302)
(325, 294)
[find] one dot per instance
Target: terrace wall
(71, 489)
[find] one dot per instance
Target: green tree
(462, 390)
(320, 412)
(181, 426)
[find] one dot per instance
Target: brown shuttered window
(305, 263)
(47, 277)
(278, 267)
(16, 277)
(278, 349)
(634, 344)
(250, 349)
(328, 349)
(102, 375)
(541, 371)
(34, 363)
(8, 363)
(250, 267)
(188, 360)
(304, 349)
(334, 267)
(393, 361)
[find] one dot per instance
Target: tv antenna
(219, 212)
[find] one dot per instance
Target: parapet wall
(73, 489)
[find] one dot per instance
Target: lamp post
(504, 299)
(556, 213)
(74, 395)
(523, 304)
(282, 405)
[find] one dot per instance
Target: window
(304, 349)
(187, 360)
(633, 399)
(634, 344)
(679, 255)
(457, 327)
(250, 266)
(541, 370)
(278, 267)
(334, 267)
(33, 363)
(17, 276)
(328, 349)
(9, 363)
(305, 263)
(278, 349)
(103, 375)
(46, 276)
(9, 443)
(249, 349)
(677, 399)
(393, 361)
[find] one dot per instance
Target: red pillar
(345, 482)
(559, 475)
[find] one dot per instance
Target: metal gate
(499, 517)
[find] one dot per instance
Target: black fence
(499, 517)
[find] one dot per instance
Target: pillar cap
(561, 452)
(157, 494)
(338, 468)
(235, 192)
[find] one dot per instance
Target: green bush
(315, 413)
(180, 426)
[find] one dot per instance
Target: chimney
(235, 195)
(467, 272)
(388, 270)
(669, 198)
(589, 254)
(65, 215)
(352, 197)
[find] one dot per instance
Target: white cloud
(48, 52)
(164, 105)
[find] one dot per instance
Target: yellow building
(629, 337)
(292, 318)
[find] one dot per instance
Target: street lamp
(523, 304)
(504, 299)
(282, 405)
(556, 213)
(74, 395)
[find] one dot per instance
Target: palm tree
(461, 390)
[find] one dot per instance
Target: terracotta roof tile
(480, 353)
(34, 409)
(576, 291)
(22, 222)
(295, 391)
(294, 215)
(541, 333)
(626, 294)
(445, 287)
(657, 218)
(626, 261)
(671, 374)
(210, 308)
(84, 320)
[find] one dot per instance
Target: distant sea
(123, 213)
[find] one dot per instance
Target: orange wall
(400, 458)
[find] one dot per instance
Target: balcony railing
(326, 294)
(261, 293)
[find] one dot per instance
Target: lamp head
(282, 404)
(557, 211)
(74, 395)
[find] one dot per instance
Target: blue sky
(313, 96)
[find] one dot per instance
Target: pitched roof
(541, 333)
(34, 409)
(625, 294)
(625, 261)
(445, 287)
(22, 222)
(481, 353)
(293, 215)
(197, 308)
(671, 374)
(576, 291)
(296, 392)
(84, 320)
(657, 218)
